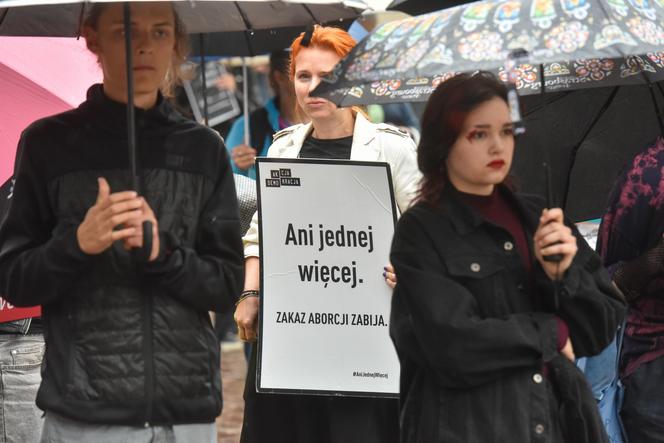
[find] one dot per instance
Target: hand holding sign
(246, 311)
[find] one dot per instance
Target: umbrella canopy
(39, 77)
(62, 17)
(571, 43)
(417, 7)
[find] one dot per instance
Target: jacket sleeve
(403, 162)
(38, 263)
(210, 276)
(251, 238)
(587, 300)
(436, 322)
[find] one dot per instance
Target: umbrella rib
(658, 111)
(545, 103)
(4, 16)
(659, 86)
(311, 14)
(80, 20)
(577, 147)
(246, 21)
(248, 25)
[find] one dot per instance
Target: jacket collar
(111, 116)
(465, 219)
(364, 132)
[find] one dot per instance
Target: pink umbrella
(38, 77)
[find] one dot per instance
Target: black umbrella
(588, 136)
(417, 7)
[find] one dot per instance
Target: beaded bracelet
(246, 294)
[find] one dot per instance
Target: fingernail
(384, 274)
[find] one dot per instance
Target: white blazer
(371, 142)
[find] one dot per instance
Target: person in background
(277, 114)
(130, 355)
(334, 133)
(631, 245)
(486, 342)
(21, 353)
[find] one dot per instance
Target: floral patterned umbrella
(570, 44)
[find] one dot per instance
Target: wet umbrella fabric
(576, 43)
(62, 17)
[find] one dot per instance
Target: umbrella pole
(575, 151)
(204, 80)
(245, 101)
(245, 78)
(141, 255)
(131, 119)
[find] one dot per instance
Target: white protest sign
(325, 229)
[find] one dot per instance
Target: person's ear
(91, 39)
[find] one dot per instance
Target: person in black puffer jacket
(127, 344)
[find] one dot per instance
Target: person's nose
(497, 144)
(143, 41)
(315, 81)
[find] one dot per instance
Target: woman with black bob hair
(486, 343)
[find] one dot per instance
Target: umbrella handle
(142, 255)
(554, 258)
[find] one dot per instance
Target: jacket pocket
(472, 267)
(482, 275)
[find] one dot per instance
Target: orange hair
(325, 37)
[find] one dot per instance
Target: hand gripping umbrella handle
(553, 258)
(142, 255)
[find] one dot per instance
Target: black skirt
(290, 418)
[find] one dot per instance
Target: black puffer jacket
(126, 344)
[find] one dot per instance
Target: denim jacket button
(508, 246)
(475, 267)
(539, 428)
(537, 378)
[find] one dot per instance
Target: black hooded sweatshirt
(126, 343)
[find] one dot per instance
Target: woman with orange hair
(333, 133)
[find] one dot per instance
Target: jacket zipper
(147, 358)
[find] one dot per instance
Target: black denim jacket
(473, 331)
